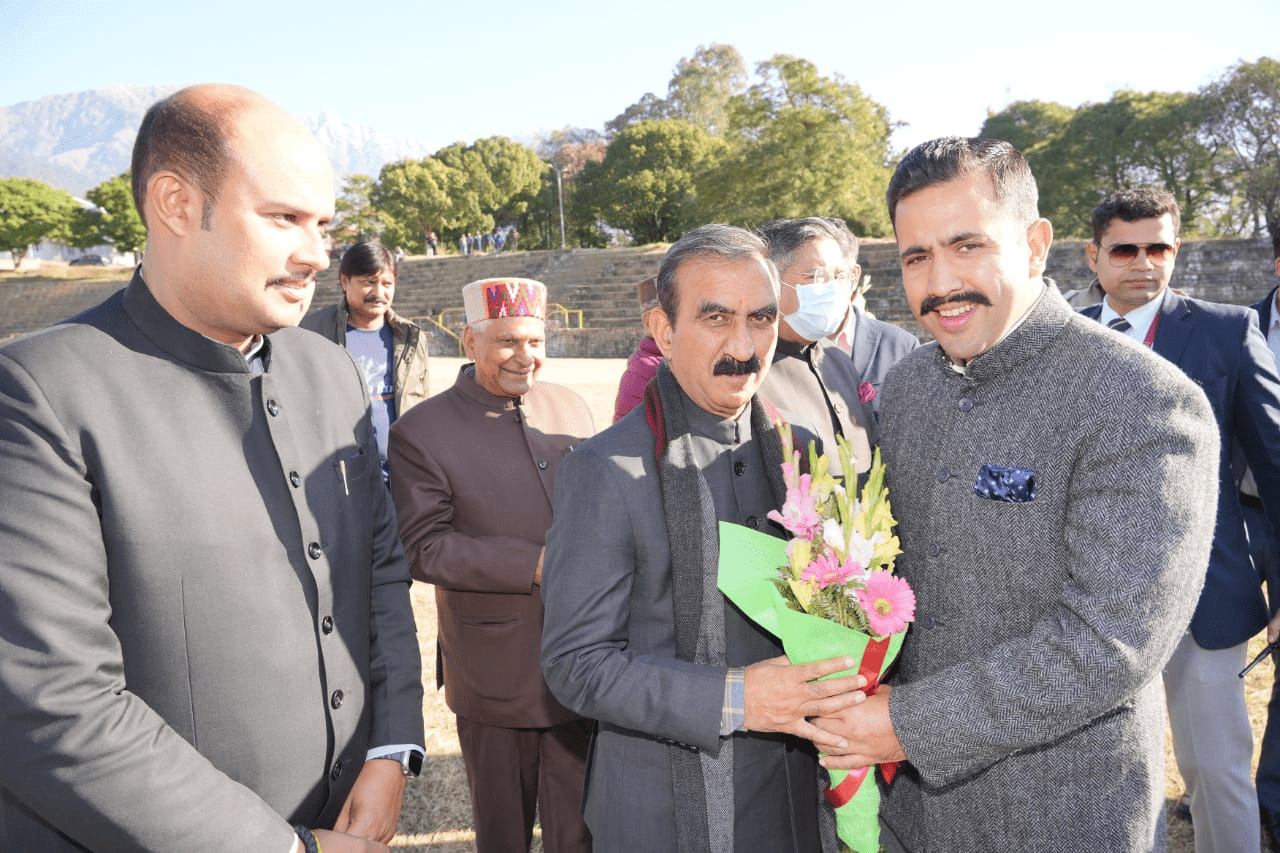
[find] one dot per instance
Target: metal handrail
(442, 327)
(556, 307)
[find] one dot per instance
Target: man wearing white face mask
(812, 381)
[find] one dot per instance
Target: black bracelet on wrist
(309, 843)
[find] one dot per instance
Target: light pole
(560, 197)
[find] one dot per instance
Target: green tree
(649, 108)
(31, 212)
(1027, 125)
(1134, 139)
(118, 222)
(1243, 117)
(417, 196)
(82, 229)
(702, 85)
(801, 144)
(698, 92)
(515, 172)
(357, 217)
(646, 184)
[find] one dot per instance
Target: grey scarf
(702, 783)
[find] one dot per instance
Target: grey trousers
(1213, 745)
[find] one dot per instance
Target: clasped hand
(780, 696)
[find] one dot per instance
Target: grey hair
(786, 237)
(726, 242)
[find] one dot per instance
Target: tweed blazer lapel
(1174, 331)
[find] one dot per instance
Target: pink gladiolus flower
(866, 393)
(889, 603)
(827, 570)
(799, 514)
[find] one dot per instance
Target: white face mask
(823, 306)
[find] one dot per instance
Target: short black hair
(190, 136)
(1134, 204)
(366, 257)
(947, 158)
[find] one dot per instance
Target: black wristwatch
(410, 761)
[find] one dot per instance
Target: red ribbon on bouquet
(872, 661)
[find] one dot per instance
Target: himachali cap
(493, 298)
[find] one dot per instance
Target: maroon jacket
(472, 476)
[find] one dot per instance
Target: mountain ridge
(77, 140)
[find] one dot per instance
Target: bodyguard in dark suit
(1266, 558)
(206, 638)
(1133, 252)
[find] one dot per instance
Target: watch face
(414, 766)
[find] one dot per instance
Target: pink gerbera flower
(827, 569)
(889, 603)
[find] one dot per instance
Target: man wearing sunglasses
(1135, 244)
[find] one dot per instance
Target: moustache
(294, 280)
(933, 303)
(376, 302)
(730, 366)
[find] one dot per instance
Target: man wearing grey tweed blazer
(1025, 451)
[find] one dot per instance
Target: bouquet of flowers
(828, 591)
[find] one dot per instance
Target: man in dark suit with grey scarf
(703, 742)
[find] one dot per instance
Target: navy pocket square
(1011, 485)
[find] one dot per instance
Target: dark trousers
(514, 772)
(1266, 558)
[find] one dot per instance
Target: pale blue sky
(449, 71)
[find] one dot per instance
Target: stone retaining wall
(600, 283)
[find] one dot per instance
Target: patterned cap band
(647, 293)
(491, 298)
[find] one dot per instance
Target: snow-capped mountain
(77, 141)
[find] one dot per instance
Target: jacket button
(739, 467)
(753, 523)
(314, 550)
(926, 621)
(542, 464)
(965, 404)
(934, 549)
(273, 408)
(336, 772)
(944, 474)
(326, 625)
(295, 479)
(336, 699)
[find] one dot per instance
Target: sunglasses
(1123, 254)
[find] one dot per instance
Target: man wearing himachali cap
(473, 470)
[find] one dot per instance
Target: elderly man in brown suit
(473, 470)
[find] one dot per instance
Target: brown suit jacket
(472, 476)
